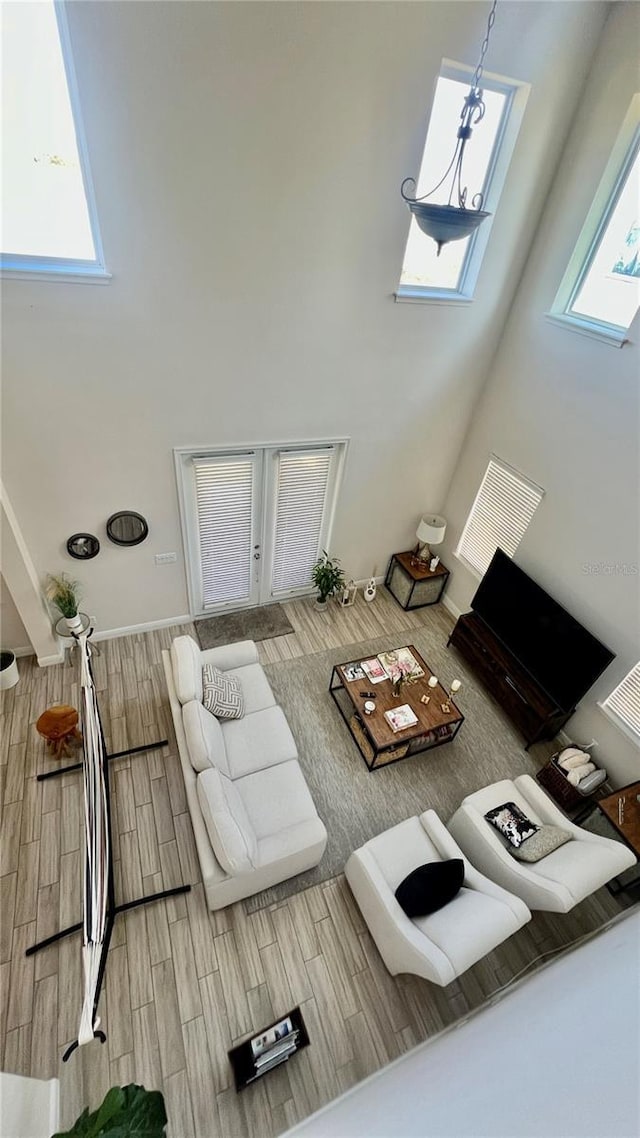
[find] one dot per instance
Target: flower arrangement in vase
(401, 674)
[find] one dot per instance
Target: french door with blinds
(255, 521)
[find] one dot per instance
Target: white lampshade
(432, 529)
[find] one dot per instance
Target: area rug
(250, 624)
(355, 803)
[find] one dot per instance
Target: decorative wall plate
(127, 528)
(83, 546)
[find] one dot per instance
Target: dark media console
(534, 713)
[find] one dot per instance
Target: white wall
(565, 410)
(12, 631)
(558, 1057)
(247, 160)
(29, 1108)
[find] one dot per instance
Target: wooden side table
(623, 811)
(59, 726)
(413, 584)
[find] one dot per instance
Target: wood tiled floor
(183, 984)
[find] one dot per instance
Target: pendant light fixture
(452, 222)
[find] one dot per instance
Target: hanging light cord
(472, 112)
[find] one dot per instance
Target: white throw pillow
(572, 757)
(222, 694)
(230, 832)
(576, 774)
(205, 741)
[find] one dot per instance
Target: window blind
(301, 492)
(224, 502)
(500, 515)
(624, 701)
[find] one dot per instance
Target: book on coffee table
(402, 658)
(373, 670)
(399, 718)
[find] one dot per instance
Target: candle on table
(433, 681)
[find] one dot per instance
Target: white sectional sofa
(253, 817)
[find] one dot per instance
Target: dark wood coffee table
(377, 742)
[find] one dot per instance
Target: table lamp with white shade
(430, 532)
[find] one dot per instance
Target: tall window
(256, 520)
(453, 274)
(48, 218)
(623, 705)
(600, 291)
(500, 515)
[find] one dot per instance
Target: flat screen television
(555, 649)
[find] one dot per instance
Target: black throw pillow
(430, 887)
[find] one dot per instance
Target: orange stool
(59, 726)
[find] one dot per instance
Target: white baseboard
(26, 651)
(451, 607)
(362, 581)
(148, 626)
(49, 661)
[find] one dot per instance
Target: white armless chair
(558, 881)
(444, 944)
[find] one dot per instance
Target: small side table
(59, 726)
(412, 584)
(62, 630)
(622, 812)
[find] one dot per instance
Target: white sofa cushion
(258, 741)
(186, 663)
(204, 737)
(582, 867)
(228, 826)
(468, 927)
(255, 687)
(222, 693)
(276, 799)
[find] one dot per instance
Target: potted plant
(124, 1110)
(8, 670)
(64, 594)
(328, 578)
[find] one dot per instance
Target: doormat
(250, 624)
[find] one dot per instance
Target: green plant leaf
(124, 1112)
(112, 1105)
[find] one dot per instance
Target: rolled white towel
(572, 757)
(576, 775)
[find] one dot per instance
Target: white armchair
(444, 944)
(562, 878)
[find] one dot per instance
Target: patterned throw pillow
(512, 823)
(222, 694)
(543, 842)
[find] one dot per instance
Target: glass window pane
(44, 207)
(610, 291)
